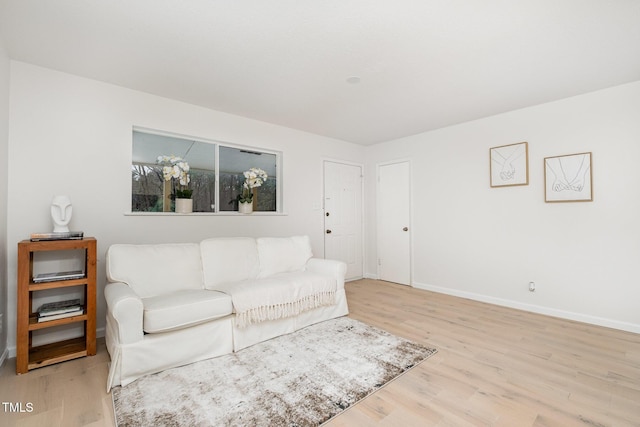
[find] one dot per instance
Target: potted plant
(253, 178)
(176, 168)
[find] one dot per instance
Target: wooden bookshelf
(29, 357)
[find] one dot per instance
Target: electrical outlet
(532, 287)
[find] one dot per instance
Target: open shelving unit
(29, 357)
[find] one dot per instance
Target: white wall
(488, 243)
(72, 136)
(69, 135)
(4, 133)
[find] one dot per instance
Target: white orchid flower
(175, 167)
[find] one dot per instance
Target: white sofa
(173, 304)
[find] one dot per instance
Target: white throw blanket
(279, 296)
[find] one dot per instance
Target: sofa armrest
(125, 307)
(328, 267)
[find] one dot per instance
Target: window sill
(226, 213)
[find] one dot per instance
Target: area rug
(301, 379)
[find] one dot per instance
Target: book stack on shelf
(60, 310)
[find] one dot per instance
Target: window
(233, 163)
(210, 163)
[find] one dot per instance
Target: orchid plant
(253, 178)
(177, 168)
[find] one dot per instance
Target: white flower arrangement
(177, 168)
(253, 178)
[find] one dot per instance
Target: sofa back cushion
(152, 270)
(228, 260)
(283, 254)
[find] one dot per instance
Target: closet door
(394, 222)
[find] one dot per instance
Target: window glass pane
(233, 163)
(148, 184)
(151, 193)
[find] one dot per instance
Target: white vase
(245, 207)
(184, 206)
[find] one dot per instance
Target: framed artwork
(568, 178)
(509, 165)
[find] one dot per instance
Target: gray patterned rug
(301, 379)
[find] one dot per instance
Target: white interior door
(343, 215)
(393, 222)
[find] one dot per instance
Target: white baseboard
(584, 318)
(371, 276)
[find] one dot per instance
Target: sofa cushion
(152, 270)
(183, 308)
(231, 259)
(282, 254)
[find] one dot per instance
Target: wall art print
(568, 178)
(509, 165)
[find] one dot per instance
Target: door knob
(328, 231)
(405, 229)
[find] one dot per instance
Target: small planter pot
(184, 206)
(245, 208)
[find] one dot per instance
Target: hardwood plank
(495, 366)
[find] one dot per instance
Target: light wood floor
(495, 367)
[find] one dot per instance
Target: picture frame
(509, 165)
(568, 178)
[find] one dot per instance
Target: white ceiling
(422, 64)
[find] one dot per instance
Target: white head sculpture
(61, 211)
